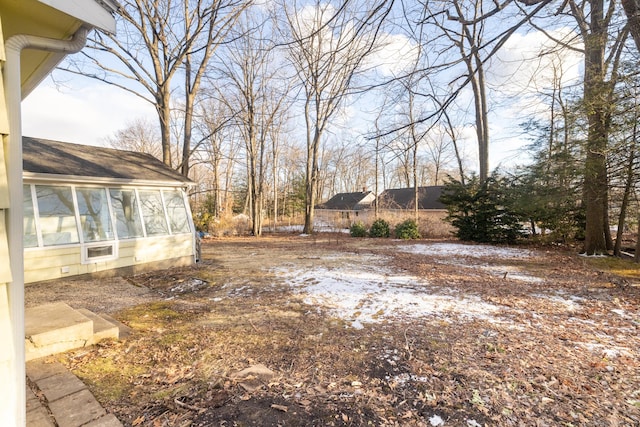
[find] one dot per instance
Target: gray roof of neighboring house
(404, 198)
(346, 201)
(42, 156)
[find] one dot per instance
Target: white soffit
(95, 13)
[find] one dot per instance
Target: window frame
(38, 217)
(114, 215)
(164, 192)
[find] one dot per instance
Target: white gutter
(13, 95)
(36, 177)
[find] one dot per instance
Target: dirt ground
(330, 330)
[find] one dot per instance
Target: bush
(358, 229)
(407, 230)
(380, 228)
(481, 211)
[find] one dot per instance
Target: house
(94, 210)
(404, 199)
(398, 204)
(344, 208)
(35, 35)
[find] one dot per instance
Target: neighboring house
(344, 208)
(404, 199)
(35, 35)
(91, 210)
(398, 204)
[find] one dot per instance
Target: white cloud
(80, 113)
(531, 62)
(396, 55)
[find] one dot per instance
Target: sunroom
(93, 210)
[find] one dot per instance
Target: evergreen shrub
(380, 228)
(358, 229)
(407, 230)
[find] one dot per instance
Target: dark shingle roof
(43, 156)
(345, 201)
(404, 198)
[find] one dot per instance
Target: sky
(84, 111)
(79, 110)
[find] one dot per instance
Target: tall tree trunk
(164, 116)
(595, 180)
(632, 10)
(482, 122)
(188, 118)
(625, 198)
(376, 201)
(274, 167)
(312, 188)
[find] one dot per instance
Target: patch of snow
(287, 228)
(621, 313)
(460, 249)
(608, 352)
(524, 278)
(190, 285)
(404, 378)
(594, 255)
(370, 294)
(571, 304)
(436, 421)
(473, 423)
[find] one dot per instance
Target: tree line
(273, 106)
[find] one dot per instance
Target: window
(97, 216)
(95, 221)
(30, 232)
(155, 221)
(125, 206)
(99, 251)
(56, 214)
(177, 212)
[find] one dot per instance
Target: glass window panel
(56, 215)
(128, 223)
(155, 222)
(177, 212)
(99, 251)
(95, 221)
(30, 233)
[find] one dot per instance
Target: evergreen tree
(482, 211)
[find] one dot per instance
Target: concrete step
(124, 330)
(102, 328)
(55, 328)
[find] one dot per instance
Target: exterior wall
(133, 256)
(342, 219)
(431, 223)
(97, 237)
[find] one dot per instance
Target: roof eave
(97, 13)
(88, 180)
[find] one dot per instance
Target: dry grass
(541, 364)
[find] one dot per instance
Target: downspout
(13, 95)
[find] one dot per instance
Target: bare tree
(327, 48)
(439, 155)
(463, 24)
(139, 135)
(156, 41)
(258, 94)
(220, 152)
(632, 10)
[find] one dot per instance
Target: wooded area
(272, 107)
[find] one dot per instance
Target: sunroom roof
(42, 156)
